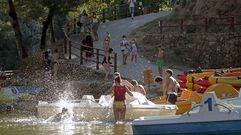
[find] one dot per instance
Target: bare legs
(132, 10)
(133, 58)
(160, 70)
(95, 35)
(107, 70)
(119, 110)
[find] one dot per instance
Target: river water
(30, 125)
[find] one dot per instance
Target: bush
(191, 29)
(177, 51)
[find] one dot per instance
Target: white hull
(88, 110)
(106, 113)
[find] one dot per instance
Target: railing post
(103, 15)
(232, 24)
(69, 49)
(115, 12)
(97, 59)
(115, 62)
(65, 44)
(160, 26)
(206, 24)
(81, 55)
(181, 26)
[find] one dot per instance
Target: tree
(12, 13)
(56, 7)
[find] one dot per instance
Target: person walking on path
(55, 60)
(88, 46)
(119, 91)
(132, 7)
(106, 63)
(47, 58)
(82, 20)
(160, 60)
(106, 44)
(124, 46)
(133, 51)
(95, 26)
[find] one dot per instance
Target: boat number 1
(209, 102)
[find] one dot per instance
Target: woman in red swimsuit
(119, 91)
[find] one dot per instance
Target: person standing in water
(118, 91)
(64, 114)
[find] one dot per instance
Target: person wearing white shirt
(132, 7)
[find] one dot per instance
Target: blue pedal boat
(209, 117)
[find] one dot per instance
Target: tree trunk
(46, 24)
(52, 32)
(19, 44)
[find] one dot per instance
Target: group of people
(88, 24)
(169, 86)
(128, 49)
(118, 90)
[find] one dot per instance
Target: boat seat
(188, 95)
(185, 95)
(223, 90)
(88, 97)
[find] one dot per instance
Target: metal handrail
(229, 110)
(66, 30)
(188, 112)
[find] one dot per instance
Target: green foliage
(187, 15)
(8, 52)
(152, 3)
(177, 51)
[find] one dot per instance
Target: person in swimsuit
(95, 26)
(133, 51)
(170, 87)
(123, 81)
(138, 87)
(160, 60)
(64, 114)
(118, 91)
(106, 63)
(106, 42)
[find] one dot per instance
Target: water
(30, 125)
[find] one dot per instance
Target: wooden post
(97, 58)
(115, 62)
(81, 55)
(160, 26)
(103, 15)
(181, 26)
(65, 44)
(206, 24)
(115, 13)
(69, 49)
(232, 24)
